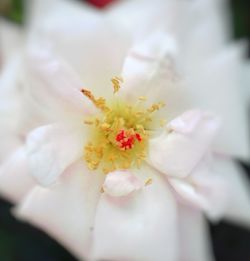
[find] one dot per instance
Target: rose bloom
(143, 111)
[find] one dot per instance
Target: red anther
(120, 136)
(138, 137)
(127, 141)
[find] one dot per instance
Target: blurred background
(21, 242)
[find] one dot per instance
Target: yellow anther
(148, 182)
(116, 83)
(105, 126)
(89, 122)
(119, 133)
(100, 103)
(142, 98)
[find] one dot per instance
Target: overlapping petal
(121, 183)
(140, 226)
(52, 148)
(89, 31)
(176, 152)
(58, 87)
(15, 179)
(66, 211)
(207, 85)
(204, 189)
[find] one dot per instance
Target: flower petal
(176, 153)
(54, 84)
(11, 94)
(201, 20)
(194, 235)
(207, 85)
(141, 226)
(89, 42)
(121, 183)
(238, 208)
(66, 211)
(203, 189)
(15, 179)
(51, 149)
(150, 70)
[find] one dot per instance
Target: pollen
(119, 133)
(116, 83)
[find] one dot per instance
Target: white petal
(66, 211)
(141, 226)
(150, 70)
(204, 189)
(204, 30)
(15, 179)
(194, 235)
(18, 111)
(11, 108)
(54, 84)
(176, 153)
(11, 96)
(9, 143)
(91, 44)
(141, 21)
(121, 183)
(51, 149)
(238, 209)
(207, 85)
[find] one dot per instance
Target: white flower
(153, 212)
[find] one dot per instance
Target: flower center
(127, 139)
(119, 133)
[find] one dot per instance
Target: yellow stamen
(116, 83)
(148, 182)
(100, 103)
(120, 133)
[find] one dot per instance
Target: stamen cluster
(119, 134)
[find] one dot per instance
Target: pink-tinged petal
(140, 226)
(238, 207)
(51, 149)
(177, 151)
(207, 85)
(15, 179)
(203, 189)
(54, 85)
(150, 70)
(66, 211)
(121, 183)
(193, 235)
